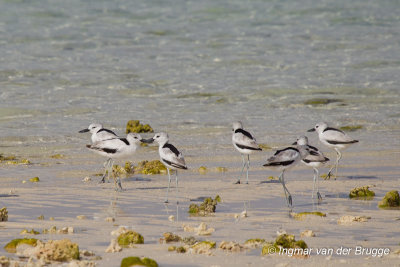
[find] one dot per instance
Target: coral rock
(307, 233)
(134, 126)
(254, 243)
(362, 192)
(119, 231)
(302, 215)
(203, 247)
(11, 247)
(58, 250)
(349, 219)
(231, 246)
(136, 261)
(206, 208)
(129, 238)
(169, 237)
(109, 219)
(3, 214)
(113, 247)
(150, 167)
(390, 200)
(34, 180)
(200, 230)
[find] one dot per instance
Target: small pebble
(81, 217)
(110, 219)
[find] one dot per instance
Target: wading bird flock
(106, 143)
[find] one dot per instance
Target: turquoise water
(193, 67)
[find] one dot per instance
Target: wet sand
(62, 194)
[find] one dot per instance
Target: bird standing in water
(246, 144)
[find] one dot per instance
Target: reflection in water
(170, 211)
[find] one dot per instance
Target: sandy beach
(63, 195)
(190, 69)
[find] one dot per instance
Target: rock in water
(58, 250)
(390, 200)
(129, 238)
(3, 214)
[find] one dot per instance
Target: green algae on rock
(362, 193)
(203, 247)
(285, 241)
(321, 101)
(169, 237)
(11, 246)
(26, 231)
(351, 128)
(151, 167)
(302, 215)
(264, 146)
(190, 240)
(134, 126)
(222, 169)
(390, 200)
(207, 207)
(57, 156)
(13, 160)
(180, 250)
(136, 261)
(202, 170)
(129, 238)
(34, 180)
(3, 214)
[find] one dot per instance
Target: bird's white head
(134, 138)
(93, 128)
(319, 127)
(160, 138)
(237, 125)
(302, 141)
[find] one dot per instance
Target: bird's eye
(316, 126)
(135, 137)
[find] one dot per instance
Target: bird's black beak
(295, 143)
(147, 141)
(84, 130)
(311, 130)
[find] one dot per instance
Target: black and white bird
(169, 156)
(100, 134)
(115, 148)
(333, 138)
(314, 160)
(246, 144)
(287, 158)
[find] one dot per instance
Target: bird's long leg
(314, 180)
(110, 169)
(176, 183)
(338, 157)
(169, 183)
(105, 171)
(337, 162)
(317, 175)
(285, 190)
(247, 171)
(241, 173)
